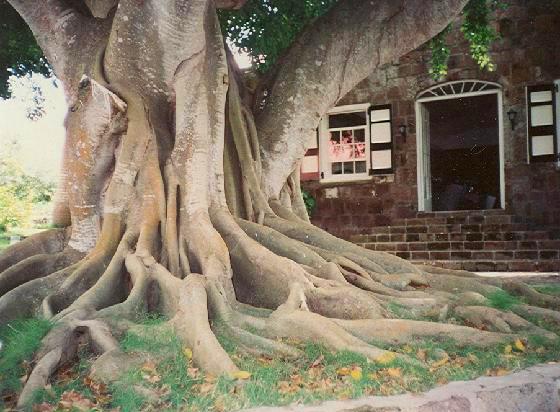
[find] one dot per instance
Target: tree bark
(171, 191)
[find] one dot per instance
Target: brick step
(487, 212)
(465, 219)
(455, 228)
(521, 245)
(478, 255)
(525, 235)
(495, 266)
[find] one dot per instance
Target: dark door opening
(464, 153)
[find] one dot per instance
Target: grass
(168, 380)
(502, 300)
(549, 289)
(20, 339)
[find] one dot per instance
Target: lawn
(166, 378)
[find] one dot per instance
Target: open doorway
(460, 152)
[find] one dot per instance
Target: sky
(39, 143)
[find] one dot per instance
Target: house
(462, 173)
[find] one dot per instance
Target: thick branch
(331, 57)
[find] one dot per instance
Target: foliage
(309, 201)
(440, 54)
(18, 191)
(265, 28)
(19, 340)
(19, 53)
(478, 31)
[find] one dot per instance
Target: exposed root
(25, 300)
(60, 347)
(486, 318)
(47, 242)
(191, 323)
(34, 267)
(402, 331)
(532, 296)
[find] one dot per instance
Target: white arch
(457, 87)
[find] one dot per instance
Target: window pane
(347, 119)
(381, 132)
(360, 151)
(348, 168)
(543, 145)
(541, 115)
(360, 135)
(544, 96)
(380, 115)
(346, 136)
(381, 159)
(335, 137)
(360, 167)
(337, 168)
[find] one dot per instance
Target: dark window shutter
(381, 140)
(541, 123)
(310, 163)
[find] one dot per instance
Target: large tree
(180, 190)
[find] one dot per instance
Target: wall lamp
(402, 131)
(512, 116)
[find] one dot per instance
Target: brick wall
(528, 53)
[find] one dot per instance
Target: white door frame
(446, 91)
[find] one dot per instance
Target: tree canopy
(19, 52)
(262, 28)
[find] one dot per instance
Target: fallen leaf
(407, 349)
(241, 375)
(519, 345)
(149, 366)
(205, 388)
(421, 354)
(356, 373)
(497, 372)
(387, 357)
(343, 371)
(439, 363)
(317, 361)
(152, 378)
(188, 353)
(43, 407)
(508, 349)
(74, 400)
(192, 372)
(394, 372)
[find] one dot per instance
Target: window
(542, 123)
(352, 143)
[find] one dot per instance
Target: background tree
(180, 193)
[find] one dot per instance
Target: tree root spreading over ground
(170, 211)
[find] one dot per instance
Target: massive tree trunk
(177, 201)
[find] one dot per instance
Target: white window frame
(324, 136)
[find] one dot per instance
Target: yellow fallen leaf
(188, 353)
(394, 372)
(387, 357)
(440, 362)
(356, 373)
(407, 349)
(241, 375)
(343, 371)
(508, 349)
(519, 345)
